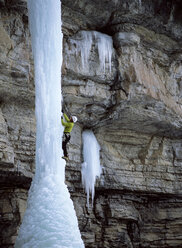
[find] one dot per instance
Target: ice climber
(68, 124)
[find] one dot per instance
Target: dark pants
(66, 139)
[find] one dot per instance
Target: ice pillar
(50, 219)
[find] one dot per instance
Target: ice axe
(65, 109)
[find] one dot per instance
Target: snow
(91, 168)
(104, 46)
(50, 220)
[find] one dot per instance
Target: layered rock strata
(122, 78)
(17, 120)
(135, 112)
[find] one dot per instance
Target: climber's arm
(65, 124)
(66, 117)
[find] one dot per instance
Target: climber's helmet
(74, 118)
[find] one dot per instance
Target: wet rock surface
(130, 96)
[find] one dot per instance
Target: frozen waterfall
(50, 220)
(104, 45)
(91, 168)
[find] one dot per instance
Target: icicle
(140, 4)
(103, 43)
(83, 45)
(171, 14)
(91, 168)
(105, 46)
(115, 2)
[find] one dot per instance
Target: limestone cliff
(133, 105)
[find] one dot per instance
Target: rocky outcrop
(122, 77)
(17, 121)
(17, 131)
(134, 108)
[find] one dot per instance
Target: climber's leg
(66, 139)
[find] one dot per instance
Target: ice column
(50, 220)
(91, 168)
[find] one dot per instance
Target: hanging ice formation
(91, 168)
(115, 1)
(50, 220)
(140, 3)
(104, 45)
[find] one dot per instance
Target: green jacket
(68, 124)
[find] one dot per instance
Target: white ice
(140, 3)
(91, 168)
(104, 46)
(116, 2)
(50, 220)
(83, 47)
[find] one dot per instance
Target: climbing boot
(65, 158)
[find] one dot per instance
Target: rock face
(122, 78)
(17, 121)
